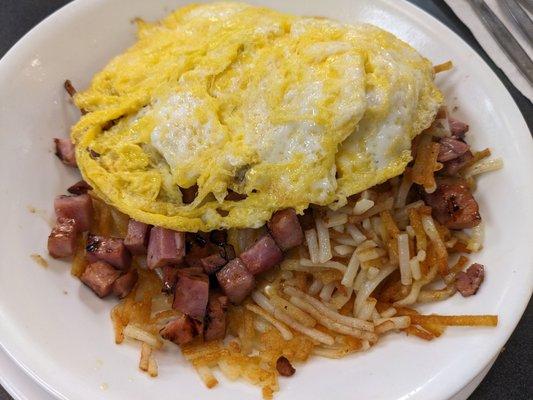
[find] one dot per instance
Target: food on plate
(260, 188)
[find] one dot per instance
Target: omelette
(252, 109)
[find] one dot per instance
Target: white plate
(65, 341)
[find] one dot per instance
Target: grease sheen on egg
(286, 110)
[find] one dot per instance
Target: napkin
(466, 13)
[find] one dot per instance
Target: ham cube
(108, 249)
(235, 280)
(78, 208)
(100, 277)
(285, 229)
(191, 293)
(215, 321)
(181, 330)
(136, 240)
(165, 247)
(62, 239)
(65, 151)
(262, 255)
(124, 285)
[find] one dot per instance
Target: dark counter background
(511, 377)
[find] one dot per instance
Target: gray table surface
(511, 377)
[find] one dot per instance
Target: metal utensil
(520, 18)
(504, 38)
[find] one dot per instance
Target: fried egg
(285, 111)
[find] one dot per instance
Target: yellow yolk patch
(284, 110)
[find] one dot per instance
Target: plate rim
(423, 17)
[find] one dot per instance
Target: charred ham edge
(80, 187)
(453, 205)
(468, 282)
(235, 280)
(125, 283)
(78, 208)
(215, 319)
(136, 240)
(286, 229)
(181, 330)
(165, 247)
(451, 148)
(108, 249)
(284, 367)
(62, 239)
(100, 276)
(191, 293)
(65, 151)
(71, 90)
(262, 255)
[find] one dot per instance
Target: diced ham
(284, 367)
(169, 277)
(108, 249)
(285, 229)
(136, 240)
(451, 148)
(458, 128)
(79, 208)
(197, 251)
(211, 264)
(235, 280)
(165, 247)
(80, 187)
(468, 282)
(65, 151)
(215, 320)
(100, 277)
(181, 330)
(191, 293)
(123, 285)
(62, 239)
(262, 255)
(453, 205)
(452, 167)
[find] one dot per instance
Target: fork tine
(520, 18)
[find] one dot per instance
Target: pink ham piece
(165, 247)
(79, 208)
(136, 240)
(65, 151)
(100, 277)
(285, 229)
(453, 166)
(124, 285)
(181, 330)
(215, 320)
(62, 239)
(262, 255)
(191, 293)
(235, 280)
(453, 205)
(108, 249)
(451, 149)
(468, 282)
(211, 264)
